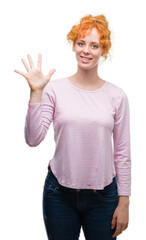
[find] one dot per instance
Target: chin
(88, 66)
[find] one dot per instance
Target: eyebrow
(91, 42)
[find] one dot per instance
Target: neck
(87, 76)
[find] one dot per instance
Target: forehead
(92, 36)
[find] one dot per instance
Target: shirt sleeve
(121, 140)
(39, 117)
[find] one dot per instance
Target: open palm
(34, 76)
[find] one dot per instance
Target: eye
(95, 46)
(79, 43)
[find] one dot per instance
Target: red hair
(87, 23)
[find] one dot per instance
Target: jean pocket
(109, 193)
(50, 185)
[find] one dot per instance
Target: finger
(118, 231)
(21, 73)
(113, 223)
(51, 72)
(25, 64)
(30, 60)
(49, 75)
(116, 234)
(123, 227)
(39, 65)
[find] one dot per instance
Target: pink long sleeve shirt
(91, 132)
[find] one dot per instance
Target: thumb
(113, 223)
(49, 75)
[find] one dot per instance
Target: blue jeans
(66, 210)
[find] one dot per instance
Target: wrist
(124, 200)
(35, 96)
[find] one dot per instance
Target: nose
(86, 50)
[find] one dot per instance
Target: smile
(84, 59)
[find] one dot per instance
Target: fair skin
(87, 78)
(35, 78)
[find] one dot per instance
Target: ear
(103, 54)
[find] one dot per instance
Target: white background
(32, 27)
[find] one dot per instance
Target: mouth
(85, 59)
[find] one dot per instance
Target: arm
(122, 158)
(39, 116)
(122, 154)
(124, 200)
(35, 97)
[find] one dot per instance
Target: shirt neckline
(87, 91)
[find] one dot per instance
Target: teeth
(85, 58)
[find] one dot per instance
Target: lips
(86, 58)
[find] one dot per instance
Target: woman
(87, 184)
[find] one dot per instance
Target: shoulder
(57, 82)
(115, 90)
(116, 94)
(112, 87)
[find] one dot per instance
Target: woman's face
(88, 50)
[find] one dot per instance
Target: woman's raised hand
(34, 76)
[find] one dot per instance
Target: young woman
(88, 183)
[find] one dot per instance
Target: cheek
(78, 50)
(97, 55)
(78, 53)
